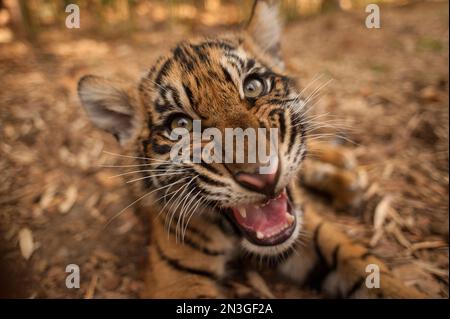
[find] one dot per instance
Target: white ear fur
(265, 28)
(109, 107)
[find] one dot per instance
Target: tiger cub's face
(231, 82)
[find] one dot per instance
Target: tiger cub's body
(205, 214)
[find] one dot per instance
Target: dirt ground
(389, 97)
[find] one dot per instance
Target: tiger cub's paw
(333, 170)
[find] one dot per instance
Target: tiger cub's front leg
(329, 261)
(332, 263)
(189, 267)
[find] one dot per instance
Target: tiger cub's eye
(253, 87)
(181, 122)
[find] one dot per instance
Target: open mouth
(266, 224)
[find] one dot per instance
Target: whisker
(151, 176)
(317, 90)
(183, 212)
(321, 136)
(175, 192)
(134, 165)
(149, 170)
(134, 202)
(180, 214)
(180, 199)
(199, 202)
(139, 157)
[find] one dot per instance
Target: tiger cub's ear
(110, 107)
(264, 27)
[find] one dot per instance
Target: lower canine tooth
(259, 235)
(290, 218)
(243, 212)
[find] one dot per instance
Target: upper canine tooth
(259, 235)
(243, 212)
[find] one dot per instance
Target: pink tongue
(268, 219)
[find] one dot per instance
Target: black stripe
(316, 242)
(319, 272)
(190, 96)
(227, 75)
(163, 72)
(213, 74)
(174, 263)
(281, 121)
(175, 96)
(227, 225)
(147, 180)
(199, 50)
(209, 167)
(161, 149)
(293, 133)
(152, 71)
(199, 233)
(280, 101)
(222, 44)
(286, 82)
(211, 181)
(203, 249)
(335, 257)
(196, 246)
(197, 82)
(250, 64)
(355, 287)
(183, 58)
(163, 107)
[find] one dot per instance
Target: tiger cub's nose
(262, 183)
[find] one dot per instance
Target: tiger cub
(205, 214)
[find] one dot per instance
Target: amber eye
(181, 122)
(253, 87)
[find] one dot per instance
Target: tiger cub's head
(235, 81)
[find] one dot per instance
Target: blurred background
(387, 102)
(30, 18)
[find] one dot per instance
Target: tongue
(266, 220)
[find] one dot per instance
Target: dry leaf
(71, 197)
(91, 288)
(428, 245)
(398, 234)
(48, 196)
(26, 243)
(376, 237)
(381, 212)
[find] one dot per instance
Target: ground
(388, 102)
